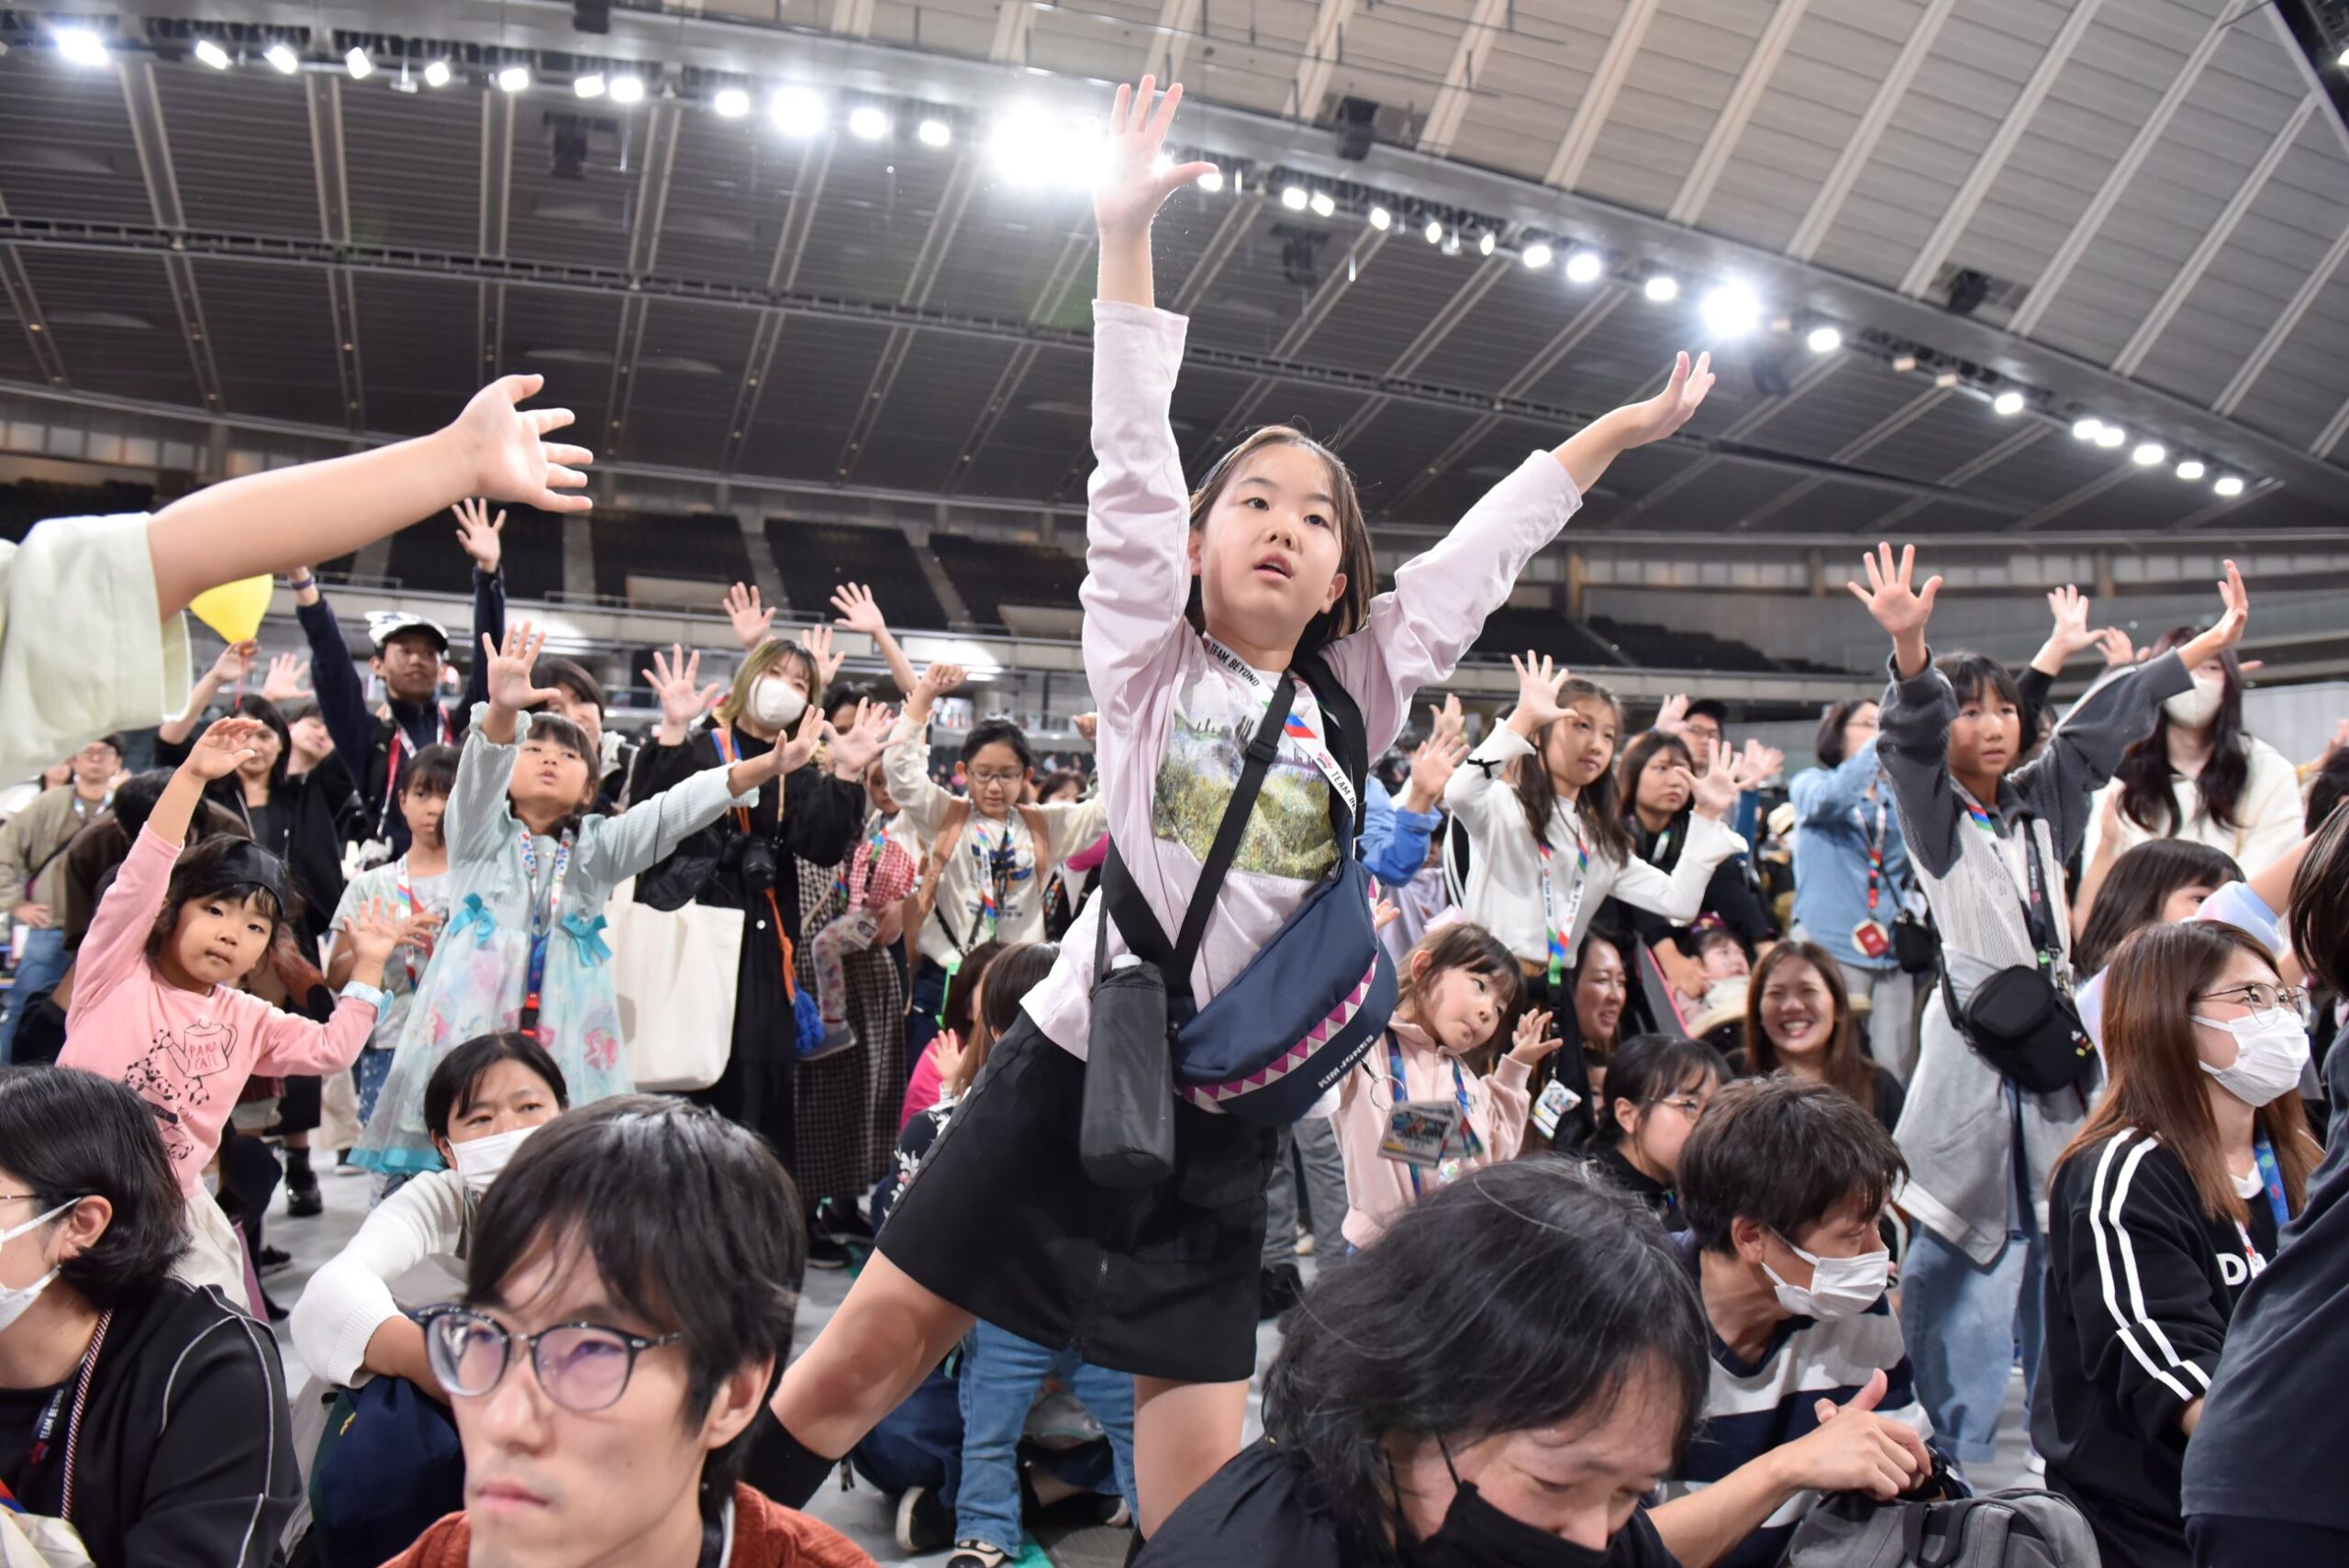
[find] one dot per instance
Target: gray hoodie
(1957, 1131)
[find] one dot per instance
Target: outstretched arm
(235, 663)
(858, 612)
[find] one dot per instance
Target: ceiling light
(628, 89)
(1451, 241)
(938, 133)
(1381, 219)
(867, 124)
(2228, 485)
(1484, 245)
(1903, 363)
(2110, 436)
(514, 79)
(358, 64)
(731, 102)
(2087, 429)
(1584, 267)
(796, 111)
(212, 54)
(1295, 197)
(1211, 181)
(2148, 453)
(1433, 231)
(1823, 340)
(590, 86)
(282, 56)
(1731, 311)
(1324, 204)
(2007, 403)
(2191, 469)
(1538, 254)
(1031, 147)
(1662, 288)
(81, 45)
(1946, 379)
(436, 74)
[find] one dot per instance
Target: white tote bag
(674, 970)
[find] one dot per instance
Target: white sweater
(2269, 814)
(349, 1298)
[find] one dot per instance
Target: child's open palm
(1682, 391)
(854, 747)
(859, 611)
(374, 931)
(289, 681)
(223, 748)
(1538, 683)
(509, 454)
(817, 641)
(940, 679)
(752, 620)
(510, 666)
(1136, 179)
(1716, 789)
(1533, 1040)
(1897, 605)
(674, 679)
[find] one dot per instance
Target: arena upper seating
(815, 558)
(1671, 648)
(697, 546)
(990, 573)
(1511, 632)
(28, 501)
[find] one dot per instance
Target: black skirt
(1001, 1221)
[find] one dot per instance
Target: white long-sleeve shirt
(1504, 891)
(350, 1298)
(2267, 814)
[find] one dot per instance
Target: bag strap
(1124, 900)
(1915, 1517)
(1341, 718)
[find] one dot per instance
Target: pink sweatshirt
(1378, 1188)
(1169, 712)
(923, 1088)
(187, 1053)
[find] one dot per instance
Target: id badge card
(1418, 1131)
(1551, 1107)
(1871, 938)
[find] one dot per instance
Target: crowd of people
(1686, 1153)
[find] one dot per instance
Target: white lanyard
(1294, 727)
(1560, 935)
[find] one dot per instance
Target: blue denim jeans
(1962, 1322)
(1000, 1375)
(919, 1443)
(40, 963)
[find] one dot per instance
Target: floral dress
(502, 881)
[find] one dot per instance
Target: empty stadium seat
(30, 501)
(990, 573)
(1509, 631)
(1670, 648)
(815, 558)
(672, 546)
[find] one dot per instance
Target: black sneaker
(925, 1521)
(273, 1260)
(841, 1222)
(1278, 1289)
(976, 1554)
(304, 1201)
(825, 1253)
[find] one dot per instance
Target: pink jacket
(187, 1053)
(1378, 1188)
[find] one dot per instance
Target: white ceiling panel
(1688, 66)
(2305, 383)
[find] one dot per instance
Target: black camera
(752, 860)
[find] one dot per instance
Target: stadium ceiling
(2143, 206)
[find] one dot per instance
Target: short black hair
(1651, 1067)
(433, 771)
(136, 797)
(1708, 707)
(555, 670)
(689, 1222)
(1971, 675)
(68, 1134)
(1828, 744)
(300, 708)
(955, 1012)
(449, 1093)
(1784, 1152)
(2137, 886)
(113, 738)
(1017, 970)
(226, 867)
(845, 694)
(989, 732)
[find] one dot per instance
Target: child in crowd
(949, 1049)
(528, 872)
(880, 872)
(1458, 990)
(136, 573)
(1987, 840)
(1195, 607)
(1726, 973)
(1657, 1085)
(155, 1003)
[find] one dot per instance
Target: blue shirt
(1834, 821)
(1393, 846)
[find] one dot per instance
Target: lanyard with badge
(2272, 1180)
(1559, 932)
(542, 923)
(45, 1428)
(729, 754)
(1294, 727)
(392, 765)
(1422, 1134)
(408, 909)
(1870, 935)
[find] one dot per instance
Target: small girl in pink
(155, 1002)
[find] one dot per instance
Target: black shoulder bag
(2020, 1021)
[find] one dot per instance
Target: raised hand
(223, 748)
(1760, 762)
(1715, 790)
(1672, 718)
(1087, 725)
(1447, 720)
(1684, 392)
(858, 610)
(818, 642)
(2114, 644)
(1136, 179)
(506, 454)
(481, 535)
(674, 679)
(854, 747)
(2230, 630)
(753, 621)
(790, 756)
(375, 930)
(1538, 684)
(510, 666)
(1897, 605)
(233, 662)
(940, 679)
(1432, 766)
(1534, 1040)
(2070, 609)
(288, 680)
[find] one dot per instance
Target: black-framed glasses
(2262, 998)
(1686, 1105)
(584, 1367)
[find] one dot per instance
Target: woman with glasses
(1657, 1085)
(614, 1346)
(1798, 1020)
(2162, 1209)
(148, 1413)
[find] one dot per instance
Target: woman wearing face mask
(149, 1413)
(2164, 1209)
(1529, 1432)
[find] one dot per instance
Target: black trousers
(2235, 1541)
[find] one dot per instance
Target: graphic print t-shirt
(1215, 717)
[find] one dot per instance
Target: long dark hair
(1523, 1296)
(1637, 757)
(2139, 884)
(2147, 797)
(1599, 805)
(1828, 744)
(255, 706)
(1842, 1067)
(2318, 924)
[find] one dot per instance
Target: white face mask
(1839, 1287)
(2269, 1054)
(2197, 706)
(16, 1299)
(776, 703)
(480, 1160)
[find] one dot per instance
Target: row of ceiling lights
(1031, 147)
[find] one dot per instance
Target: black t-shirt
(272, 824)
(1256, 1510)
(33, 1485)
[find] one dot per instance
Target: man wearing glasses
(614, 1343)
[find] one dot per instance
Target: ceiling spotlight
(2191, 469)
(514, 79)
(1031, 146)
(2110, 436)
(358, 64)
(731, 102)
(2228, 485)
(1324, 204)
(2007, 403)
(628, 89)
(1662, 288)
(1903, 363)
(1433, 231)
(590, 86)
(1211, 181)
(1485, 244)
(1451, 246)
(1946, 379)
(81, 45)
(1538, 254)
(1584, 267)
(2087, 429)
(436, 74)
(1295, 197)
(796, 111)
(1823, 340)
(938, 133)
(1381, 219)
(867, 124)
(282, 55)
(212, 54)
(2148, 453)
(1731, 311)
